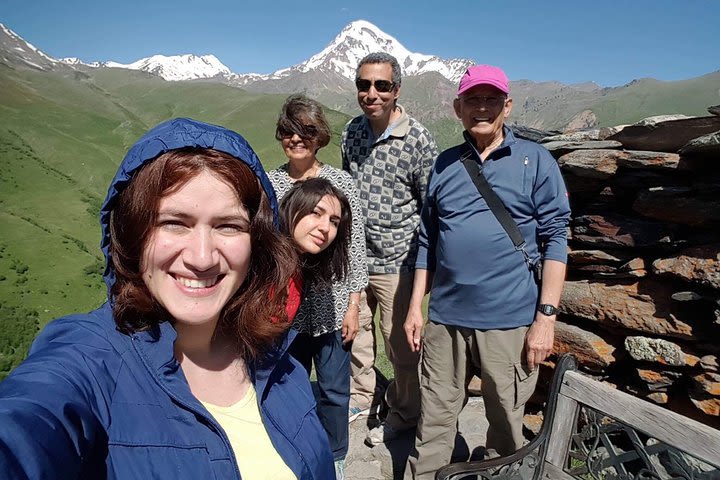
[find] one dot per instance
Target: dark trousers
(332, 369)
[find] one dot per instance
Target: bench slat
(690, 436)
(551, 472)
(562, 430)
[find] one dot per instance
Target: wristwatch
(547, 309)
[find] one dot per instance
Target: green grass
(62, 136)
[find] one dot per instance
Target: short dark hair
(296, 111)
(382, 57)
(251, 315)
(332, 264)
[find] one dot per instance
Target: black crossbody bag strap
(496, 206)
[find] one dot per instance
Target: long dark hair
(332, 264)
(248, 316)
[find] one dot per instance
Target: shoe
(339, 469)
(383, 433)
(356, 412)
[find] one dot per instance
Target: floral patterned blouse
(323, 307)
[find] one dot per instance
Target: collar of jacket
(156, 348)
(502, 150)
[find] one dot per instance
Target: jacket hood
(172, 135)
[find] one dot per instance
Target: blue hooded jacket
(93, 403)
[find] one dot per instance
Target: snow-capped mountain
(355, 41)
(172, 68)
(15, 50)
(338, 59)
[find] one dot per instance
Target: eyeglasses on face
(306, 132)
(382, 86)
(481, 100)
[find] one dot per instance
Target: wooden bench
(593, 431)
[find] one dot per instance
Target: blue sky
(610, 42)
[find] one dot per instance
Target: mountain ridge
(428, 88)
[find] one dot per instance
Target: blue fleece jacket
(480, 281)
(90, 402)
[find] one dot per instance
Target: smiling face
(483, 110)
(317, 230)
(377, 106)
(301, 149)
(198, 253)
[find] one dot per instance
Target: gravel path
(388, 461)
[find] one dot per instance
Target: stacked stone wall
(641, 305)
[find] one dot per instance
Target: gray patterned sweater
(391, 174)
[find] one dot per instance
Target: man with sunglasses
(389, 154)
(488, 313)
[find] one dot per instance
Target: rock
(707, 145)
(584, 119)
(698, 265)
(658, 381)
(661, 398)
(533, 422)
(657, 119)
(686, 296)
(638, 159)
(596, 269)
(585, 257)
(475, 386)
(709, 382)
(705, 403)
(618, 274)
(642, 306)
(583, 135)
(635, 268)
(559, 149)
(598, 164)
(710, 363)
(665, 135)
(657, 350)
(696, 206)
(528, 133)
(621, 231)
(591, 351)
(715, 109)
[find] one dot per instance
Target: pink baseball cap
(484, 75)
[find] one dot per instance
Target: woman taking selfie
(328, 314)
(184, 372)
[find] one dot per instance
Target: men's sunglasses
(307, 132)
(382, 86)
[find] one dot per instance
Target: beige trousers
(391, 294)
(450, 357)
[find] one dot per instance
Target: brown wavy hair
(297, 111)
(247, 317)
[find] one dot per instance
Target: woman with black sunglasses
(328, 316)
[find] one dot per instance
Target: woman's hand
(350, 324)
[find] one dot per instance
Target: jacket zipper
(211, 421)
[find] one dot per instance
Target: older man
(389, 154)
(488, 312)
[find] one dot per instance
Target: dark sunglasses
(382, 86)
(307, 132)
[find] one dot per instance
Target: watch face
(548, 310)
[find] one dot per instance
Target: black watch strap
(547, 309)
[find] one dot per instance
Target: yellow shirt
(255, 454)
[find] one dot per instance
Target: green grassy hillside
(648, 97)
(62, 136)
